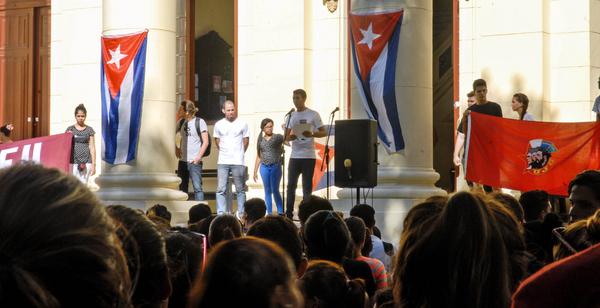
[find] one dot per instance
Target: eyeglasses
(558, 233)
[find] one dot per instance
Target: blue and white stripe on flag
(375, 39)
(122, 88)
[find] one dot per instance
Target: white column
(406, 177)
(151, 176)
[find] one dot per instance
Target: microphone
(348, 166)
(290, 112)
(335, 110)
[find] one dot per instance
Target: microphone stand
(285, 135)
(326, 160)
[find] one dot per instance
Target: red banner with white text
(52, 151)
(528, 155)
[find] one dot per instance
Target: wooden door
(25, 69)
(41, 91)
(16, 70)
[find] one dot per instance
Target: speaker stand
(357, 195)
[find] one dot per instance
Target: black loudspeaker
(356, 153)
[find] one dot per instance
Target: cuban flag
(122, 88)
(375, 48)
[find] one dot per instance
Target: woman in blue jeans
(269, 149)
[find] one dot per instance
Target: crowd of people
(60, 247)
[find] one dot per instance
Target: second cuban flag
(122, 87)
(375, 39)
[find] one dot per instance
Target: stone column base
(140, 187)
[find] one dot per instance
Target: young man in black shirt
(482, 106)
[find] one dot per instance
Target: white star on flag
(116, 57)
(368, 36)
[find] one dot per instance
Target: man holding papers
(304, 125)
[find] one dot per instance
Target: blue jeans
(238, 173)
(195, 171)
(271, 177)
(297, 166)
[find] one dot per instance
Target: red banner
(527, 155)
(52, 151)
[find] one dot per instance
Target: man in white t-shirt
(302, 160)
(231, 139)
(194, 142)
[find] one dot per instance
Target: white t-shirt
(231, 141)
(191, 142)
(304, 147)
(528, 117)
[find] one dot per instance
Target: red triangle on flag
(117, 54)
(370, 34)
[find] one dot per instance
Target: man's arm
(217, 143)
(320, 133)
(246, 141)
(204, 136)
(460, 141)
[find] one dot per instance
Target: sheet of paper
(299, 128)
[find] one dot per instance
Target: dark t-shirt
(489, 108)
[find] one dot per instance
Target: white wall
(546, 49)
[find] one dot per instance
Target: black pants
(297, 166)
(184, 174)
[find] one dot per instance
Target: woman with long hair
(463, 256)
(58, 247)
(83, 153)
(269, 149)
(520, 103)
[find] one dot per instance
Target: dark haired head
(479, 83)
(524, 100)
(160, 211)
(364, 212)
(325, 285)
(510, 203)
(144, 248)
(312, 205)
(184, 255)
(224, 227)
(58, 248)
(300, 92)
(584, 192)
(535, 203)
(198, 212)
(5, 131)
(254, 209)
(326, 236)
(247, 272)
(358, 232)
(471, 94)
(81, 108)
(283, 232)
(463, 254)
